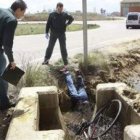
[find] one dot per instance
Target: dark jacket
(8, 23)
(57, 23)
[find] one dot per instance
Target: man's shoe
(46, 62)
(78, 72)
(64, 69)
(79, 78)
(12, 105)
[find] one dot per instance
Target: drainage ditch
(84, 112)
(49, 113)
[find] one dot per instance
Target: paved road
(33, 47)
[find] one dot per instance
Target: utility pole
(85, 37)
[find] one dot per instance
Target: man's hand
(47, 36)
(13, 65)
(67, 24)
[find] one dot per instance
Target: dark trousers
(62, 41)
(4, 101)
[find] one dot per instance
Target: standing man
(8, 23)
(57, 23)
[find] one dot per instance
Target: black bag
(12, 76)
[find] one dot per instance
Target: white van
(133, 20)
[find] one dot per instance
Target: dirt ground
(123, 66)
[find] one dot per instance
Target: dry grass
(96, 60)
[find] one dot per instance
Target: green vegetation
(43, 16)
(77, 27)
(36, 17)
(31, 29)
(38, 75)
(96, 60)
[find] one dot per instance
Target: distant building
(115, 14)
(129, 6)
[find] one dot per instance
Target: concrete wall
(128, 116)
(132, 132)
(134, 9)
(129, 7)
(32, 117)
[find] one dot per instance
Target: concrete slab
(132, 132)
(107, 92)
(128, 116)
(25, 124)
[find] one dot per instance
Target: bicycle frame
(86, 125)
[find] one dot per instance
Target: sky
(69, 5)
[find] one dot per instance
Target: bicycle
(102, 121)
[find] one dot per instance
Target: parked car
(133, 20)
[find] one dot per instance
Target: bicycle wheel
(103, 121)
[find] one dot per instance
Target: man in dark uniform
(8, 23)
(57, 23)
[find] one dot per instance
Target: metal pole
(85, 38)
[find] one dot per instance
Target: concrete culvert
(49, 113)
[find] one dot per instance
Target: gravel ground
(116, 133)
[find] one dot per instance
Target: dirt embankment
(122, 67)
(119, 67)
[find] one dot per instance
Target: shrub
(96, 60)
